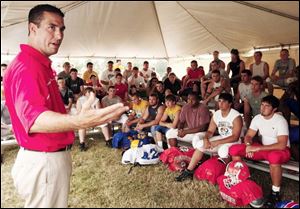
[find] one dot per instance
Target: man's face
(135, 100)
(90, 67)
(146, 66)
(152, 101)
(67, 68)
(194, 65)
(266, 109)
(159, 87)
(257, 57)
(172, 78)
(215, 77)
(110, 66)
(61, 83)
(111, 92)
(169, 103)
(73, 75)
(48, 36)
(245, 77)
(255, 86)
(224, 105)
(191, 99)
(216, 55)
(284, 55)
(129, 65)
(119, 79)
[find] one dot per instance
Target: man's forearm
(51, 122)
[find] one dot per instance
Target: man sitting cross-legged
(193, 122)
(229, 124)
(151, 116)
(275, 143)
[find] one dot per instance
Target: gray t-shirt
(108, 102)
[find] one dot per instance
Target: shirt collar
(36, 55)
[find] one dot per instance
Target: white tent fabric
(154, 29)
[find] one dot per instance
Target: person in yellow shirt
(89, 71)
(139, 106)
(169, 119)
(119, 65)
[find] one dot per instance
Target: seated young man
(252, 103)
(66, 93)
(229, 124)
(75, 84)
(112, 99)
(139, 106)
(275, 143)
(151, 116)
(95, 105)
(169, 119)
(193, 122)
(217, 86)
(244, 90)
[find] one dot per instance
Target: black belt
(66, 148)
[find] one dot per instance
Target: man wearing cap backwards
(42, 128)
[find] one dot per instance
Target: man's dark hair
(73, 70)
(146, 62)
(272, 100)
(92, 76)
(110, 62)
(119, 74)
(89, 63)
(36, 13)
(171, 98)
(60, 78)
(259, 79)
(118, 70)
(111, 87)
(227, 97)
(194, 61)
(258, 52)
(3, 65)
(215, 72)
(248, 72)
(194, 94)
(154, 95)
(135, 68)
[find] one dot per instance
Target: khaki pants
(43, 179)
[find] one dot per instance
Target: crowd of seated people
(174, 110)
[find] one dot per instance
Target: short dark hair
(111, 87)
(110, 62)
(118, 69)
(73, 70)
(194, 61)
(3, 65)
(194, 94)
(234, 51)
(60, 78)
(272, 100)
(171, 98)
(119, 74)
(215, 72)
(135, 68)
(258, 52)
(89, 89)
(146, 62)
(227, 97)
(36, 13)
(286, 50)
(248, 72)
(89, 63)
(259, 79)
(154, 95)
(93, 76)
(66, 63)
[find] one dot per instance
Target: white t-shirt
(258, 69)
(147, 74)
(107, 75)
(245, 90)
(225, 125)
(270, 129)
(136, 81)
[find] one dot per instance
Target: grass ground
(100, 180)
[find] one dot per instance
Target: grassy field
(100, 180)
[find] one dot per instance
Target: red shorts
(273, 156)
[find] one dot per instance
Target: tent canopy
(154, 29)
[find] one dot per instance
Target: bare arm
(50, 122)
(266, 71)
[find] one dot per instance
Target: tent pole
(161, 34)
(267, 10)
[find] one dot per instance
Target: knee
(235, 150)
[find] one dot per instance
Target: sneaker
(109, 143)
(186, 174)
(82, 147)
(272, 199)
(259, 203)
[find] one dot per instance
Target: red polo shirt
(30, 89)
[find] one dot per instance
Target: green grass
(100, 180)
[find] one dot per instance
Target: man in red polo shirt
(42, 128)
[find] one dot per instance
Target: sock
(160, 144)
(275, 188)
